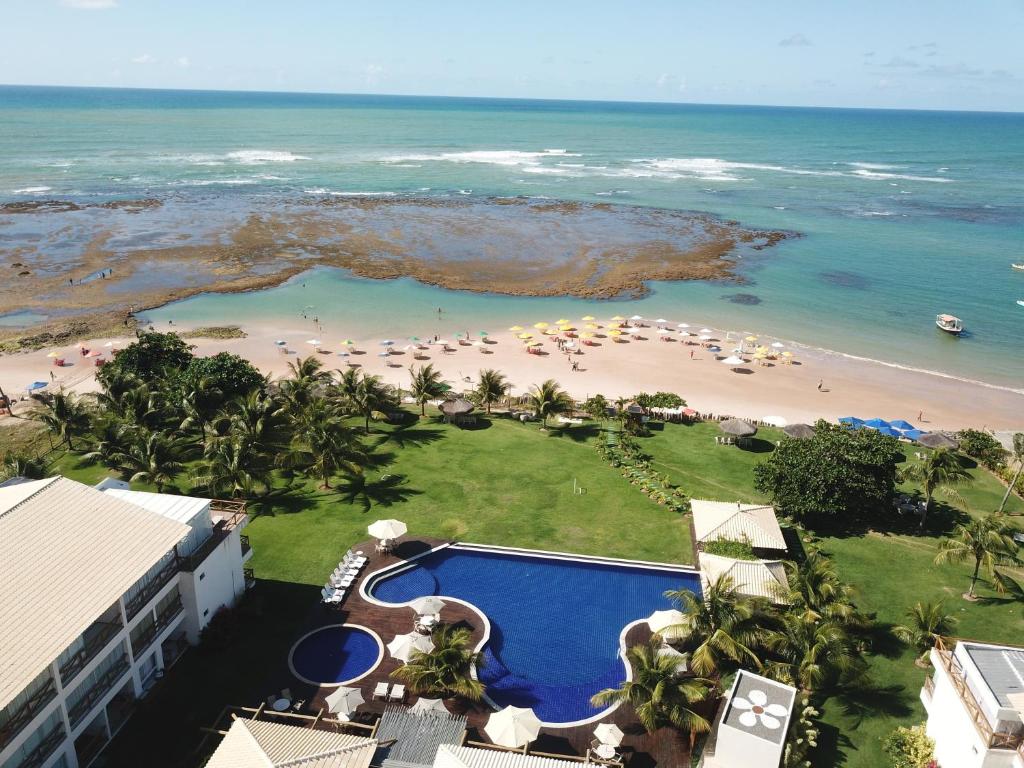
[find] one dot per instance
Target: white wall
(216, 583)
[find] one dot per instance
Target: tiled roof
(67, 553)
(756, 523)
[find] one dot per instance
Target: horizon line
(526, 99)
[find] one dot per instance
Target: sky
(913, 54)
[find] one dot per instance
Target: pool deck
(666, 747)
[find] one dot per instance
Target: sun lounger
(397, 693)
(381, 691)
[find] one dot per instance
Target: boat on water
(949, 324)
(1018, 266)
(1021, 302)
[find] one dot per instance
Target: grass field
(512, 484)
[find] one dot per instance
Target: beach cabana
(735, 521)
(753, 578)
(901, 425)
(738, 428)
(938, 440)
(851, 421)
(876, 424)
(798, 431)
(457, 410)
(512, 727)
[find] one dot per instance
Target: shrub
(738, 550)
(909, 747)
(659, 400)
(803, 737)
(983, 447)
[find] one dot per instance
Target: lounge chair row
(342, 577)
(387, 692)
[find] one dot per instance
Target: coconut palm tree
(1018, 455)
(306, 377)
(366, 396)
(447, 670)
(63, 415)
(491, 387)
(811, 652)
(816, 591)
(720, 626)
(940, 471)
(658, 695)
(228, 467)
(988, 542)
(426, 384)
(155, 458)
(548, 399)
(323, 444)
(258, 421)
(110, 441)
(928, 623)
(19, 465)
(200, 404)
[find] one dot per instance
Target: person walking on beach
(691, 354)
(820, 382)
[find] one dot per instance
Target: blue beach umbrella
(901, 425)
(851, 421)
(877, 424)
(35, 385)
(913, 434)
(889, 431)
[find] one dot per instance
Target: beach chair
(381, 691)
(397, 693)
(286, 693)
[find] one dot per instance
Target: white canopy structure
(404, 646)
(713, 520)
(512, 727)
(343, 701)
(427, 605)
(660, 621)
(609, 733)
(387, 529)
(426, 706)
(753, 578)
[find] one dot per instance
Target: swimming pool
(555, 620)
(335, 654)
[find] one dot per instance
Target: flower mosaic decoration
(757, 710)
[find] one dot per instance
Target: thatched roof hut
(798, 431)
(738, 428)
(938, 440)
(456, 407)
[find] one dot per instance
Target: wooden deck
(666, 747)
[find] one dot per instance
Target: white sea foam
(260, 156)
(507, 157)
(362, 194)
(316, 191)
(212, 182)
(866, 174)
(708, 169)
(465, 191)
(31, 190)
(874, 166)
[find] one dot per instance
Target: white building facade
(974, 704)
(101, 591)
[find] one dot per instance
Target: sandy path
(850, 387)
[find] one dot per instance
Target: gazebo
(798, 431)
(457, 411)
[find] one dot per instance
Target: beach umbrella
(404, 646)
(901, 425)
(387, 529)
(114, 343)
(483, 333)
(566, 327)
(732, 361)
(704, 337)
(525, 335)
(314, 342)
(609, 733)
(681, 659)
(618, 319)
(750, 338)
(588, 318)
(877, 423)
(534, 344)
(516, 328)
(387, 342)
(541, 325)
(775, 421)
(561, 321)
(414, 338)
(343, 354)
(348, 343)
(593, 326)
(851, 421)
(36, 385)
(428, 706)
(705, 330)
(53, 354)
(385, 353)
(550, 331)
(512, 727)
(663, 331)
(634, 318)
(279, 343)
(343, 701)
(442, 342)
(682, 325)
(738, 428)
(937, 440)
(615, 333)
(778, 344)
(660, 621)
(586, 335)
(798, 431)
(427, 605)
(661, 320)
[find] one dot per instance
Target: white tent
(512, 727)
(404, 646)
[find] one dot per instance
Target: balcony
(26, 713)
(234, 516)
(163, 620)
(929, 687)
(98, 690)
(250, 578)
(158, 582)
(246, 546)
(45, 748)
(93, 645)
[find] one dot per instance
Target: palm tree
(367, 396)
(988, 542)
(548, 399)
(491, 387)
(110, 441)
(928, 623)
(810, 653)
(939, 471)
(816, 591)
(155, 458)
(722, 625)
(427, 384)
(447, 670)
(200, 405)
(258, 420)
(323, 444)
(229, 468)
(658, 695)
(63, 414)
(306, 377)
(1018, 455)
(18, 465)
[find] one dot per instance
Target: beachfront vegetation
(426, 384)
(549, 399)
(492, 387)
(928, 624)
(984, 543)
(910, 748)
(447, 670)
(940, 471)
(843, 474)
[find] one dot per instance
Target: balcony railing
(994, 739)
(250, 578)
(26, 713)
(70, 668)
(221, 531)
(246, 546)
(929, 686)
(98, 690)
(148, 592)
(163, 620)
(45, 748)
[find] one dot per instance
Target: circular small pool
(336, 654)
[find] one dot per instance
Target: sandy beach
(849, 387)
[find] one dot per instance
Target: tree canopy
(230, 374)
(154, 355)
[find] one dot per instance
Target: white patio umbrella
(512, 727)
(681, 659)
(609, 733)
(661, 321)
(732, 361)
(114, 343)
(659, 621)
(387, 529)
(344, 701)
(778, 344)
(704, 337)
(427, 706)
(636, 317)
(705, 330)
(404, 646)
(682, 325)
(427, 605)
(663, 331)
(775, 421)
(314, 342)
(387, 343)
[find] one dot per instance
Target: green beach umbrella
(483, 333)
(414, 338)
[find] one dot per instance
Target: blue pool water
(555, 624)
(335, 654)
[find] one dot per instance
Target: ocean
(902, 215)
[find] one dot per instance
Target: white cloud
(183, 62)
(900, 62)
(89, 5)
(796, 40)
(373, 74)
(144, 59)
(671, 82)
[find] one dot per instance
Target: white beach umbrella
(659, 621)
(404, 646)
(682, 325)
(778, 344)
(441, 341)
(114, 344)
(681, 659)
(663, 331)
(704, 337)
(631, 330)
(387, 529)
(733, 361)
(343, 354)
(385, 353)
(661, 320)
(705, 330)
(343, 701)
(427, 605)
(609, 733)
(775, 421)
(636, 317)
(428, 706)
(512, 727)
(387, 342)
(314, 342)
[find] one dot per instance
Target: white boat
(1018, 266)
(1021, 302)
(949, 324)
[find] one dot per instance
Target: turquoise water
(903, 214)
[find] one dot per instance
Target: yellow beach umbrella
(618, 319)
(516, 328)
(586, 335)
(615, 333)
(534, 344)
(588, 318)
(54, 354)
(540, 325)
(751, 338)
(526, 336)
(550, 331)
(593, 326)
(561, 321)
(566, 327)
